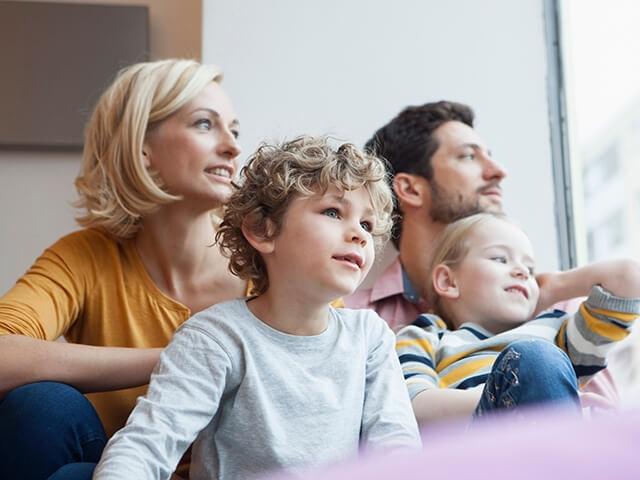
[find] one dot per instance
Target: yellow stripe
(623, 317)
(417, 342)
(602, 328)
(560, 337)
(416, 368)
(465, 370)
(454, 358)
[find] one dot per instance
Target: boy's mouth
(351, 258)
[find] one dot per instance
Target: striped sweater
(434, 357)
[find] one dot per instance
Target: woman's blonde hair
(275, 175)
(115, 188)
(451, 248)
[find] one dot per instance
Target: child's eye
(366, 226)
(203, 124)
(499, 258)
(331, 212)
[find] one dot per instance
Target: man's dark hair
(407, 142)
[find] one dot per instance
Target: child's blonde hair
(114, 187)
(451, 248)
(275, 175)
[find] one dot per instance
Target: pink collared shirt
(387, 297)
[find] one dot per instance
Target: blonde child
(483, 349)
(280, 380)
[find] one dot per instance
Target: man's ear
(409, 189)
(444, 282)
(263, 243)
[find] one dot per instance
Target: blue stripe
(410, 357)
(476, 333)
(586, 370)
(423, 321)
(473, 381)
(554, 314)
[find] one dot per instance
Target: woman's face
(195, 149)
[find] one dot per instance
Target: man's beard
(448, 207)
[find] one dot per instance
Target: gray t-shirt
(255, 399)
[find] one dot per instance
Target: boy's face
(496, 282)
(324, 248)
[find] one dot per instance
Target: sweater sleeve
(416, 346)
(47, 299)
(588, 335)
(388, 422)
(183, 397)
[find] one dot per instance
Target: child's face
(324, 248)
(496, 282)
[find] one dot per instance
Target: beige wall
(36, 188)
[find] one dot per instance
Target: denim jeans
(528, 373)
(49, 430)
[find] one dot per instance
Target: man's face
(466, 180)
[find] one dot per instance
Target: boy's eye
(203, 124)
(366, 226)
(331, 212)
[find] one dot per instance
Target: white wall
(36, 188)
(347, 67)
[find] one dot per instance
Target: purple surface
(546, 446)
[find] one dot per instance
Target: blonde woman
(160, 153)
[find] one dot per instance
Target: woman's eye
(532, 271)
(203, 124)
(467, 156)
(366, 226)
(499, 258)
(331, 212)
(235, 134)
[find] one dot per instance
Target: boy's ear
(263, 243)
(444, 282)
(408, 189)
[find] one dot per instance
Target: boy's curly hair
(275, 175)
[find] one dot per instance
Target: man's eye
(203, 124)
(331, 212)
(366, 226)
(499, 258)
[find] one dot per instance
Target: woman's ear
(408, 189)
(262, 242)
(444, 282)
(145, 156)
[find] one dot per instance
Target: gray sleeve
(183, 396)
(589, 334)
(388, 421)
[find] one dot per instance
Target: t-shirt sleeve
(589, 334)
(183, 396)
(47, 299)
(416, 346)
(387, 419)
